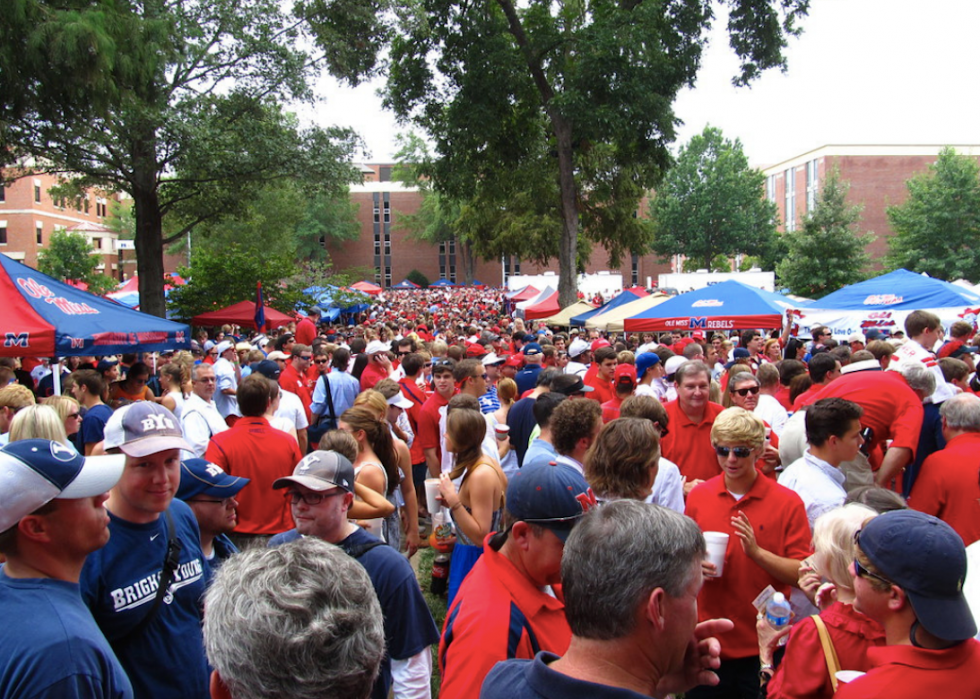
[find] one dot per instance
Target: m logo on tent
(17, 340)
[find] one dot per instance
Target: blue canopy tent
(43, 317)
(442, 283)
(730, 305)
(621, 298)
(884, 302)
(324, 297)
(478, 284)
(406, 285)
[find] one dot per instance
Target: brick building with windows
(876, 174)
(387, 248)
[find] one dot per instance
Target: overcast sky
(863, 72)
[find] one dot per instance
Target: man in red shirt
(624, 384)
(768, 537)
(948, 486)
(824, 369)
(256, 450)
(306, 327)
(294, 377)
(909, 570)
(432, 416)
(688, 444)
(378, 366)
(604, 363)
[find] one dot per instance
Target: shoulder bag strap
(829, 653)
(326, 384)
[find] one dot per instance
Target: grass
(437, 606)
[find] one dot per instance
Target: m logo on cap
(587, 500)
(157, 421)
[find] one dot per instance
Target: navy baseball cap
(144, 428)
(36, 471)
(105, 364)
(644, 361)
(927, 559)
(201, 477)
(549, 494)
(321, 470)
(268, 368)
(531, 348)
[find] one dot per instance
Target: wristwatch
(766, 671)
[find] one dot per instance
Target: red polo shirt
(603, 389)
(292, 381)
(947, 486)
(256, 450)
(906, 672)
(498, 614)
(688, 444)
(806, 398)
(891, 408)
(411, 390)
(778, 518)
(428, 436)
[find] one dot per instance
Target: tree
(711, 204)
(827, 252)
(196, 125)
(572, 101)
(68, 257)
(416, 277)
(937, 229)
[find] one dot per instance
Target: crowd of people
(238, 519)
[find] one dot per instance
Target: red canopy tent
(525, 294)
(243, 314)
(638, 291)
(545, 308)
(367, 288)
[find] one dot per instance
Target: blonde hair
(738, 426)
(63, 405)
(16, 396)
(625, 357)
(375, 401)
(38, 422)
(506, 391)
(833, 541)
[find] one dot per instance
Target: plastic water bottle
(778, 611)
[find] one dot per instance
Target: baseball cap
(276, 355)
(492, 358)
(400, 401)
(208, 344)
(375, 346)
(926, 558)
(476, 350)
(644, 361)
(243, 347)
(201, 477)
(570, 384)
(672, 365)
(36, 471)
(549, 494)
(531, 349)
(855, 337)
(738, 353)
(223, 347)
(601, 342)
(625, 375)
(268, 368)
(144, 428)
(514, 360)
(873, 334)
(577, 347)
(321, 470)
(105, 364)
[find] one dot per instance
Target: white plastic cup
(501, 431)
(845, 676)
(374, 526)
(432, 495)
(717, 544)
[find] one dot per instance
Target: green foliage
(196, 126)
(937, 230)
(68, 257)
(551, 121)
(417, 277)
(711, 204)
(828, 252)
(220, 278)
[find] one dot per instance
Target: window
(635, 269)
(387, 208)
(384, 173)
(37, 193)
(39, 227)
(86, 203)
(790, 213)
(377, 247)
(377, 214)
(97, 243)
(771, 188)
(811, 185)
(3, 193)
(3, 232)
(323, 241)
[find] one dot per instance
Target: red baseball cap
(601, 342)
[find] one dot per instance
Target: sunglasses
(863, 572)
(740, 452)
(311, 499)
(321, 361)
(72, 415)
(746, 391)
(306, 357)
(427, 364)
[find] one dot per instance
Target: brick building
(876, 174)
(384, 247)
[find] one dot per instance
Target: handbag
(323, 424)
(829, 653)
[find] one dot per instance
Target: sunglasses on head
(746, 391)
(740, 452)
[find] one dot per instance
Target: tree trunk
(568, 244)
(149, 227)
(468, 260)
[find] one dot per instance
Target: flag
(259, 308)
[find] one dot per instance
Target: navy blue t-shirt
(526, 378)
(408, 624)
(521, 422)
(93, 426)
(51, 645)
(533, 679)
(119, 584)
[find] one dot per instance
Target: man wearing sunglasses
(744, 390)
(320, 492)
(769, 536)
(909, 569)
(210, 493)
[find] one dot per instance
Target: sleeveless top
(376, 525)
(494, 518)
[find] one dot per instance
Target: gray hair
(691, 368)
(741, 376)
(919, 379)
(300, 620)
(616, 556)
(962, 412)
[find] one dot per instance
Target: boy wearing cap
(648, 368)
(526, 377)
(320, 492)
(510, 605)
(155, 629)
(210, 493)
(52, 515)
(604, 366)
(909, 570)
(624, 384)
